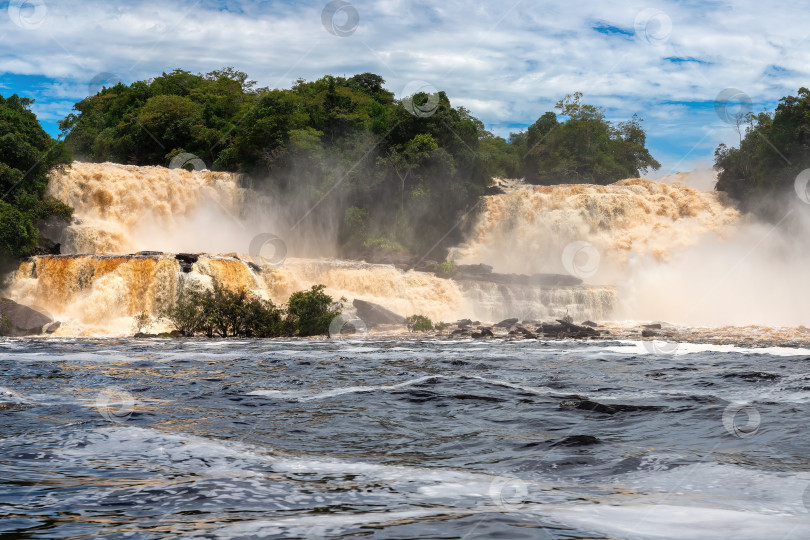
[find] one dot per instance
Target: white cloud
(507, 62)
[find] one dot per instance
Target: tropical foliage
(27, 154)
(774, 148)
(399, 174)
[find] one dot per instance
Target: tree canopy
(398, 173)
(27, 154)
(774, 148)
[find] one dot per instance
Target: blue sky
(508, 62)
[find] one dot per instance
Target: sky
(685, 67)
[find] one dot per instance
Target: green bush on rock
(223, 312)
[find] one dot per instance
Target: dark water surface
(402, 439)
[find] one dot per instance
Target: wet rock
(460, 332)
(507, 323)
(19, 320)
(565, 329)
(186, 260)
(463, 323)
(51, 328)
(483, 332)
(648, 333)
(590, 323)
(373, 314)
(654, 326)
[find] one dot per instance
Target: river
(402, 438)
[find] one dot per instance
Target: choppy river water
(402, 438)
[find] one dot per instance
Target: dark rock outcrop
(507, 323)
(186, 261)
(482, 332)
(648, 333)
(564, 329)
(19, 320)
(373, 314)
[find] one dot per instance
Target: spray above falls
(527, 229)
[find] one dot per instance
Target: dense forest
(774, 148)
(27, 154)
(396, 175)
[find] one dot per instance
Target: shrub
(418, 323)
(309, 313)
(224, 312)
(142, 321)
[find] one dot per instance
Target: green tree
(774, 148)
(27, 156)
(309, 313)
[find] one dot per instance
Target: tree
(408, 157)
(27, 156)
(773, 149)
(309, 313)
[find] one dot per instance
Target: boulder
(648, 333)
(653, 326)
(590, 323)
(463, 323)
(373, 314)
(19, 320)
(506, 323)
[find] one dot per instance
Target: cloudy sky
(683, 66)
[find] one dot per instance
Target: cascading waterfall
(526, 229)
(96, 290)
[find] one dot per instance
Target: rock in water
(506, 323)
(19, 320)
(373, 314)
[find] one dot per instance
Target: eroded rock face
(19, 320)
(373, 314)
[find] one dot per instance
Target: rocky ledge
(19, 320)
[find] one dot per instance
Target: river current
(402, 438)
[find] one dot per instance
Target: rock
(565, 329)
(51, 328)
(648, 333)
(590, 323)
(253, 266)
(506, 323)
(485, 331)
(474, 269)
(373, 314)
(460, 332)
(186, 260)
(654, 326)
(149, 253)
(463, 323)
(19, 320)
